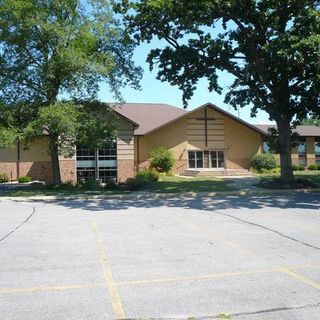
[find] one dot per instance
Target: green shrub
(312, 167)
(3, 178)
(68, 185)
(149, 175)
(161, 159)
(295, 167)
(111, 185)
(24, 179)
(135, 184)
(318, 166)
(264, 161)
(91, 184)
(301, 167)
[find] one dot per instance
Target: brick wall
(68, 170)
(125, 170)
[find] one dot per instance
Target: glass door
(217, 159)
(195, 159)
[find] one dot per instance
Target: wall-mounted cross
(206, 124)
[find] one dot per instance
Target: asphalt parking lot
(255, 257)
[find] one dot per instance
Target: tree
(54, 49)
(271, 47)
(68, 123)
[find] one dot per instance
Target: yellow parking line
(252, 254)
(301, 278)
(51, 288)
(196, 277)
(113, 292)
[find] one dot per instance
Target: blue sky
(154, 90)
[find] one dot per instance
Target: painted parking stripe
(107, 273)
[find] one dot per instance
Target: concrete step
(215, 173)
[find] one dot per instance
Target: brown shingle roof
(304, 130)
(148, 115)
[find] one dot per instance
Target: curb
(138, 196)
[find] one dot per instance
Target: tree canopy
(271, 47)
(53, 50)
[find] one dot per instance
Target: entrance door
(217, 159)
(195, 159)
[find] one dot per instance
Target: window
(206, 159)
(317, 149)
(195, 159)
(302, 151)
(217, 159)
(266, 147)
(97, 164)
(302, 146)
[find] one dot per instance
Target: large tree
(271, 47)
(58, 49)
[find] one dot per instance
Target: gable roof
(304, 130)
(152, 117)
(148, 116)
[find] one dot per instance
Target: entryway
(207, 159)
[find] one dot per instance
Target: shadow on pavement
(283, 200)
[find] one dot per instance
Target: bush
(3, 178)
(150, 175)
(110, 185)
(264, 161)
(68, 185)
(161, 159)
(312, 167)
(295, 167)
(318, 166)
(91, 184)
(135, 184)
(24, 179)
(301, 167)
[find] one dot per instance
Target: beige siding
(196, 130)
(125, 140)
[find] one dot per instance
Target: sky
(155, 91)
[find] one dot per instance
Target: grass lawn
(308, 179)
(198, 184)
(32, 191)
(166, 185)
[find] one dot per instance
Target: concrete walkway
(244, 183)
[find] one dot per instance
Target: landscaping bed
(303, 180)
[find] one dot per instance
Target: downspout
(138, 153)
(18, 158)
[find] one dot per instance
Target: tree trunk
(284, 131)
(55, 161)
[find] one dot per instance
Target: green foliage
(295, 167)
(312, 167)
(271, 49)
(142, 179)
(263, 161)
(89, 184)
(135, 184)
(68, 185)
(301, 167)
(3, 178)
(149, 175)
(311, 121)
(161, 159)
(8, 137)
(54, 49)
(60, 122)
(318, 166)
(24, 179)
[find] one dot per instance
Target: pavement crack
(275, 310)
(268, 229)
(19, 226)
